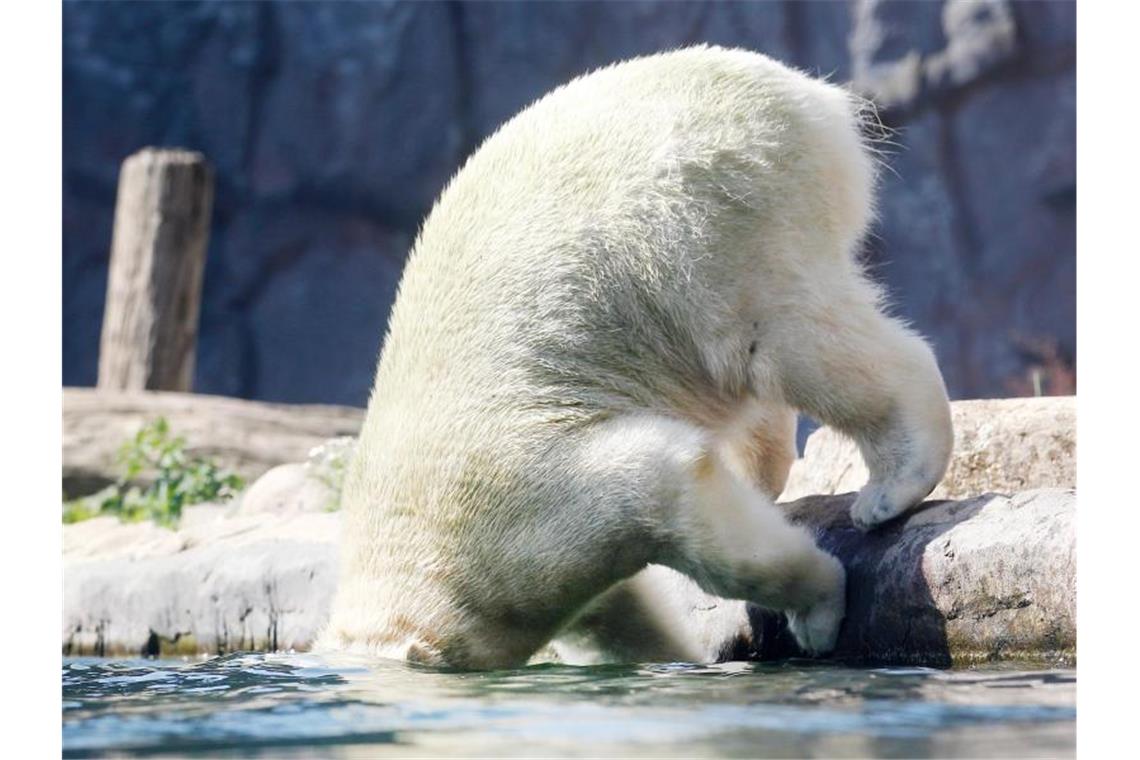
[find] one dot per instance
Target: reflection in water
(298, 705)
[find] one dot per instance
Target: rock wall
(333, 126)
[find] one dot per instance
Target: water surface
(289, 705)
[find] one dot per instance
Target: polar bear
(595, 357)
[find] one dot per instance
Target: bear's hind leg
(702, 519)
(740, 545)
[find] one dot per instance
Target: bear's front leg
(908, 451)
(736, 543)
(665, 479)
(841, 360)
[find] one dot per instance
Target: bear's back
(586, 254)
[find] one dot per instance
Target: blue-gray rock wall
(333, 126)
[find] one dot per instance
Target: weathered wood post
(158, 250)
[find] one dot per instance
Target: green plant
(178, 482)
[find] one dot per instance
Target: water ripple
(303, 705)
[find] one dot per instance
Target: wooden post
(154, 286)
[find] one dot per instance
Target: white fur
(594, 357)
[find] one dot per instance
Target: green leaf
(179, 481)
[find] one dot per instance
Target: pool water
(294, 705)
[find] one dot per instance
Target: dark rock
(819, 37)
(342, 121)
(361, 109)
(918, 247)
(980, 37)
(86, 254)
(1047, 29)
(1013, 165)
(535, 48)
(311, 290)
(904, 51)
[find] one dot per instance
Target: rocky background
(332, 127)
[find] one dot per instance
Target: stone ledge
(1000, 445)
(220, 583)
(956, 582)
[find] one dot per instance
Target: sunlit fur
(594, 355)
